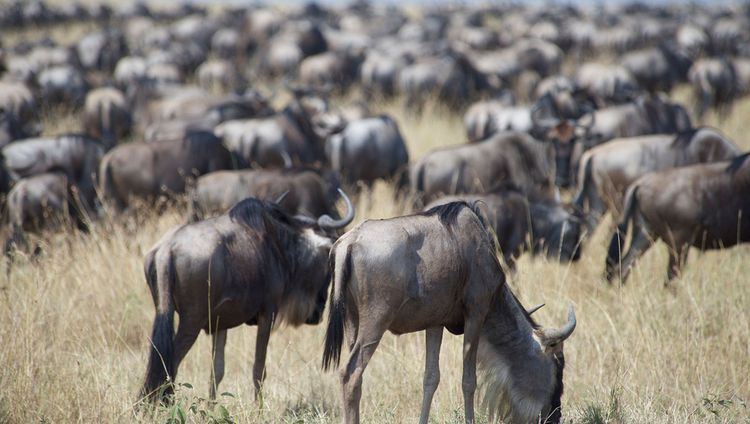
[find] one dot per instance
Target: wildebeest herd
(558, 102)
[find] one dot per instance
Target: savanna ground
(74, 328)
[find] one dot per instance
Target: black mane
(736, 163)
(448, 215)
(254, 213)
(684, 138)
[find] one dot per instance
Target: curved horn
(327, 222)
(535, 308)
(556, 335)
(281, 198)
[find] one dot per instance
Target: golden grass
(74, 327)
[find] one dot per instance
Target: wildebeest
(149, 170)
(714, 84)
(76, 156)
(702, 205)
(607, 170)
(485, 118)
(367, 150)
(40, 202)
(452, 78)
(308, 191)
(537, 224)
(657, 68)
(433, 270)
(506, 158)
(256, 265)
(608, 84)
(62, 84)
(292, 132)
(18, 112)
(106, 115)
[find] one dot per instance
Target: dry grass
(74, 328)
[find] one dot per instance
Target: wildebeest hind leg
(433, 340)
(351, 377)
(184, 339)
(217, 374)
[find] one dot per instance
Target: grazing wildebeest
(106, 115)
(540, 225)
(76, 156)
(367, 150)
(291, 132)
(702, 205)
(256, 265)
(506, 158)
(149, 170)
(40, 202)
(308, 191)
(439, 269)
(607, 170)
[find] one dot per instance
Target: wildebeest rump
(106, 115)
(367, 150)
(255, 264)
(433, 270)
(704, 206)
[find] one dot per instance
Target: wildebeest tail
(617, 243)
(341, 263)
(584, 179)
(160, 276)
(107, 189)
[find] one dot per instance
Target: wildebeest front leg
(261, 346)
(217, 374)
(433, 340)
(472, 329)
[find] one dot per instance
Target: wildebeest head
(307, 242)
(517, 390)
(322, 233)
(557, 230)
(551, 124)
